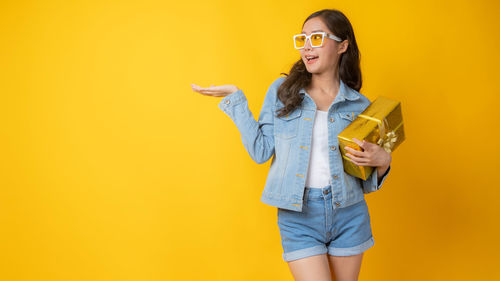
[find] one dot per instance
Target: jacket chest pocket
(287, 127)
(347, 117)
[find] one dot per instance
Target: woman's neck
(325, 83)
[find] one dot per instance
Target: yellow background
(112, 168)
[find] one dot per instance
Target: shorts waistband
(318, 193)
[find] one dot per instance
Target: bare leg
(345, 268)
(314, 268)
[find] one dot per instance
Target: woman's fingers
(215, 91)
(354, 151)
(211, 92)
(203, 90)
(356, 158)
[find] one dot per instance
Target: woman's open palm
(215, 91)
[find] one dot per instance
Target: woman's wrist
(382, 169)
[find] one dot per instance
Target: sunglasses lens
(316, 40)
(300, 41)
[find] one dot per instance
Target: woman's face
(328, 55)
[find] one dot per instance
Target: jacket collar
(344, 93)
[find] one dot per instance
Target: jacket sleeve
(371, 184)
(257, 136)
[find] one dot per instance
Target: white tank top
(318, 173)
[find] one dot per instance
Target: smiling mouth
(312, 59)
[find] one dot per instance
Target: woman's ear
(343, 46)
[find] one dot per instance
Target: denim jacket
(288, 140)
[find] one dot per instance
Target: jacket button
(333, 147)
(227, 101)
(338, 204)
(335, 177)
(331, 119)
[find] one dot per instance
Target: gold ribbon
(386, 140)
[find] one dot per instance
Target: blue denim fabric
(321, 228)
(287, 139)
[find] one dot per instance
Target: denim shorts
(321, 229)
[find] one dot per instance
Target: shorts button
(337, 203)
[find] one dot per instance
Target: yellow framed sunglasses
(316, 39)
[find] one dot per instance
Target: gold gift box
(380, 123)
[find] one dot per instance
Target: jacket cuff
(371, 183)
(230, 101)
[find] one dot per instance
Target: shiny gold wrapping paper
(380, 123)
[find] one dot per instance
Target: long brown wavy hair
(349, 69)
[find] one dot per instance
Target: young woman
(322, 214)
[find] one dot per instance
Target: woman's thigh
(345, 268)
(313, 268)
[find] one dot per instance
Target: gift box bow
(387, 139)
